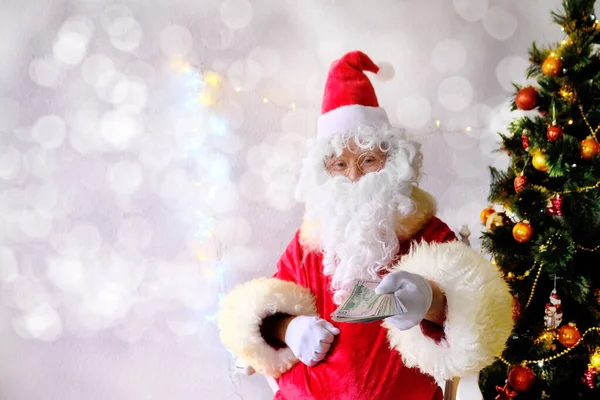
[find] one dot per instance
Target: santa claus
(366, 218)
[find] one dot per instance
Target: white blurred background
(149, 151)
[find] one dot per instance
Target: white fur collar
(406, 226)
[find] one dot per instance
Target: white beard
(356, 220)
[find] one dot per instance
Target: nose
(354, 174)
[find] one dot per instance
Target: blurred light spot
(471, 10)
(125, 177)
(125, 34)
(175, 40)
(119, 129)
(234, 230)
(413, 112)
(511, 70)
(236, 14)
(83, 239)
(10, 162)
(45, 72)
(40, 163)
(499, 24)
(97, 70)
(245, 74)
(9, 267)
(41, 323)
(9, 113)
(42, 195)
(449, 56)
(135, 233)
(455, 93)
(70, 45)
(49, 131)
(67, 274)
(268, 60)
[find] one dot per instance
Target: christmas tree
(543, 229)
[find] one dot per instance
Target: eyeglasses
(366, 162)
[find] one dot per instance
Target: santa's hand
(413, 291)
(310, 338)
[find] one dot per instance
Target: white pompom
(386, 71)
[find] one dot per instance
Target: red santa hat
(349, 100)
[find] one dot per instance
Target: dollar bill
(364, 305)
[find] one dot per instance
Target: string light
(468, 129)
(586, 249)
(293, 106)
(570, 122)
(437, 123)
(206, 99)
(212, 78)
(237, 89)
(265, 100)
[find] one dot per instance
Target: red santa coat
(376, 360)
(360, 364)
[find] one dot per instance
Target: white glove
(310, 338)
(413, 291)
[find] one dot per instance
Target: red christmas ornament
(588, 377)
(505, 393)
(554, 133)
(520, 182)
(557, 205)
(516, 309)
(569, 335)
(527, 98)
(525, 141)
(520, 378)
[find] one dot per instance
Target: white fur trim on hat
(347, 118)
(243, 311)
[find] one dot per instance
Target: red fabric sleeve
(435, 231)
(289, 267)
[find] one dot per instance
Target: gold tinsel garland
(555, 356)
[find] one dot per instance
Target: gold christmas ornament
(522, 232)
(496, 220)
(539, 161)
(595, 360)
(589, 148)
(485, 214)
(552, 66)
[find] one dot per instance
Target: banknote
(364, 305)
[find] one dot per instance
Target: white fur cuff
(241, 315)
(479, 316)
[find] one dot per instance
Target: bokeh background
(149, 151)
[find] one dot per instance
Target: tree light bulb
(265, 100)
(468, 129)
(237, 89)
(437, 123)
(570, 122)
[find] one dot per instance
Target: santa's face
(363, 188)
